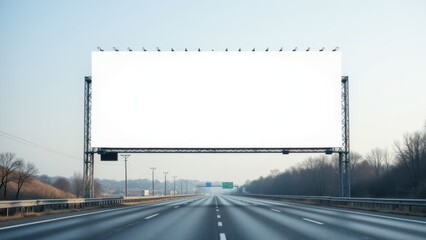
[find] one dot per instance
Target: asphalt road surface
(218, 217)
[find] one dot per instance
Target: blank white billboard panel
(216, 99)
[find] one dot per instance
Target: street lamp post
(174, 185)
(153, 190)
(125, 156)
(165, 183)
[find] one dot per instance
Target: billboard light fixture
(329, 151)
(281, 49)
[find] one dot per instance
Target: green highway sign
(227, 185)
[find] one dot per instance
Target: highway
(217, 217)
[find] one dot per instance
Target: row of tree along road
(14, 170)
(380, 173)
(400, 173)
(19, 180)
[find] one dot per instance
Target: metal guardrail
(406, 206)
(8, 208)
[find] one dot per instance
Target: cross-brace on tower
(344, 156)
(88, 157)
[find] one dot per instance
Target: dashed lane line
(346, 211)
(219, 224)
(218, 216)
(275, 210)
(222, 236)
(177, 206)
(312, 221)
(63, 218)
(152, 216)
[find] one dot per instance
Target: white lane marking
(312, 221)
(222, 236)
(177, 206)
(217, 210)
(152, 216)
(380, 216)
(62, 218)
(218, 216)
(275, 210)
(75, 216)
(219, 224)
(347, 211)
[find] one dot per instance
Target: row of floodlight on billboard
(226, 49)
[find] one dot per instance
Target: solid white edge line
(222, 236)
(177, 206)
(312, 221)
(219, 224)
(152, 216)
(75, 216)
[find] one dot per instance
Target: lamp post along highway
(125, 156)
(153, 189)
(165, 183)
(174, 185)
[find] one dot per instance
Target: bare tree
(387, 160)
(376, 159)
(412, 155)
(274, 172)
(98, 188)
(24, 174)
(77, 184)
(7, 167)
(45, 179)
(63, 184)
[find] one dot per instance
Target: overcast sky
(46, 49)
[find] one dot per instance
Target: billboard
(216, 99)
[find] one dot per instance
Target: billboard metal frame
(344, 156)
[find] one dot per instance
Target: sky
(46, 50)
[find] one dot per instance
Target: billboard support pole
(88, 156)
(344, 154)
